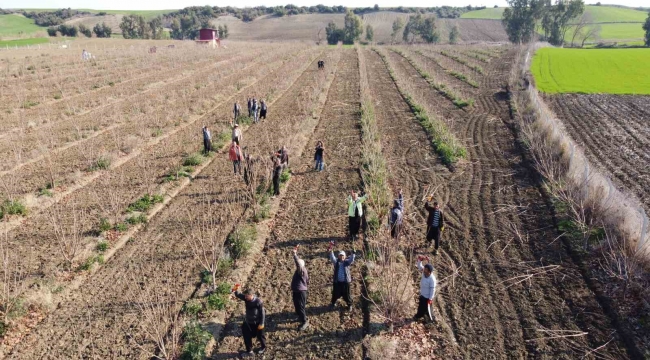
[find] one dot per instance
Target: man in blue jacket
(342, 277)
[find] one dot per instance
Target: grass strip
(460, 76)
(476, 68)
(444, 142)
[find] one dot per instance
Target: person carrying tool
(236, 112)
(253, 325)
(207, 140)
(318, 155)
(427, 289)
(299, 284)
(236, 134)
(355, 213)
(396, 216)
(435, 223)
(235, 155)
(342, 277)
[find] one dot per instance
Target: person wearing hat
(435, 223)
(395, 216)
(253, 325)
(342, 278)
(427, 289)
(236, 134)
(299, 284)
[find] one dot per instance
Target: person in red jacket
(235, 156)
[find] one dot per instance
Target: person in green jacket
(355, 213)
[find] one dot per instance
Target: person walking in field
(355, 213)
(236, 134)
(253, 325)
(299, 285)
(263, 109)
(396, 216)
(318, 155)
(236, 113)
(207, 140)
(235, 155)
(427, 289)
(277, 171)
(342, 277)
(435, 223)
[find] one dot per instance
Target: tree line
(100, 30)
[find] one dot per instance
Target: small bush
(58, 96)
(222, 139)
(217, 301)
(285, 176)
(244, 120)
(145, 203)
(139, 219)
(45, 192)
(193, 307)
(104, 225)
(156, 133)
(88, 264)
(4, 327)
(224, 266)
(196, 339)
(29, 104)
(193, 160)
(206, 277)
(102, 246)
(102, 163)
(14, 207)
(121, 227)
(241, 241)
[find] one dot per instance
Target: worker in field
(236, 113)
(427, 289)
(299, 285)
(355, 213)
(283, 156)
(207, 140)
(255, 109)
(396, 215)
(263, 109)
(254, 319)
(236, 134)
(318, 155)
(235, 155)
(435, 223)
(342, 277)
(250, 106)
(277, 171)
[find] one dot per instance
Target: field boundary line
(169, 196)
(12, 224)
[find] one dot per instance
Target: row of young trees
(646, 27)
(136, 27)
(101, 30)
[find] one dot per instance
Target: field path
(311, 214)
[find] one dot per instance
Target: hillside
(307, 27)
(89, 21)
(15, 25)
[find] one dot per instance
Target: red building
(209, 37)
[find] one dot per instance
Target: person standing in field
(236, 113)
(427, 289)
(263, 110)
(250, 106)
(235, 155)
(253, 325)
(207, 140)
(299, 285)
(342, 277)
(277, 171)
(256, 111)
(236, 134)
(283, 156)
(435, 223)
(318, 155)
(355, 213)
(395, 217)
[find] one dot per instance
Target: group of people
(256, 110)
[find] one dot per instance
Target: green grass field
(23, 42)
(16, 25)
(602, 14)
(488, 13)
(610, 71)
(146, 13)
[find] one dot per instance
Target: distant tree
(592, 32)
(646, 27)
(225, 31)
(496, 6)
(598, 3)
(580, 26)
(353, 28)
(85, 30)
(156, 27)
(370, 33)
(102, 31)
(129, 27)
(398, 24)
(143, 28)
(68, 30)
(376, 7)
(520, 17)
(279, 11)
(51, 31)
(556, 19)
(453, 35)
(334, 34)
(220, 31)
(420, 26)
(177, 32)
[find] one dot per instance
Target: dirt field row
(499, 231)
(614, 133)
(159, 258)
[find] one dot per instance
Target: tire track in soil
(497, 178)
(121, 186)
(101, 313)
(311, 214)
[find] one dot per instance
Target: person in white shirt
(427, 289)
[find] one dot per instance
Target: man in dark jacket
(435, 223)
(253, 325)
(342, 277)
(396, 216)
(299, 285)
(283, 155)
(277, 171)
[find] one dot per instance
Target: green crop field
(15, 25)
(602, 14)
(23, 42)
(488, 13)
(611, 71)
